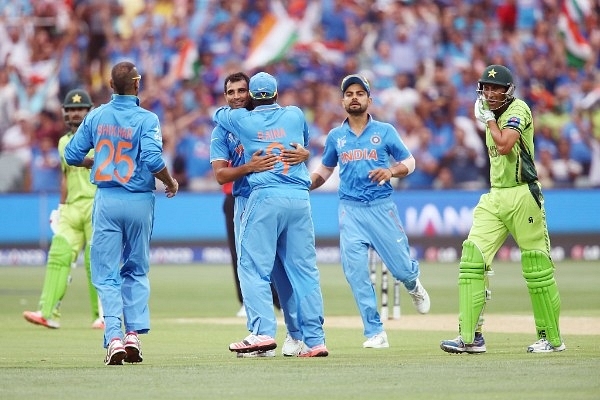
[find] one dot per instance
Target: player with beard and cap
(515, 206)
(369, 153)
(71, 224)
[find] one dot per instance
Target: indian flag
(274, 35)
(570, 23)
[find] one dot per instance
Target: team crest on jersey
(513, 121)
(375, 139)
(341, 142)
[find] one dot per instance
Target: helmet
(77, 98)
(497, 75)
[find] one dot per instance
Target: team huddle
(259, 146)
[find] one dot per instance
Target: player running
(514, 205)
(364, 148)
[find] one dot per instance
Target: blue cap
(262, 86)
(355, 78)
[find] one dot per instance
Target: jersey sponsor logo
(375, 139)
(231, 137)
(158, 135)
(358, 155)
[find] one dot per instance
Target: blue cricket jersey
(127, 142)
(226, 146)
(376, 147)
(270, 128)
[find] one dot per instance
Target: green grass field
(193, 308)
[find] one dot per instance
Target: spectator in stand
(460, 159)
(16, 147)
(543, 165)
(565, 170)
(44, 170)
(424, 176)
(335, 38)
(8, 101)
(578, 132)
(545, 141)
(194, 151)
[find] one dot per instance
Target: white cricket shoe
(115, 352)
(378, 341)
(291, 347)
(133, 348)
(544, 346)
(420, 298)
(257, 354)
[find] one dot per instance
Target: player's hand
(260, 163)
(380, 175)
(296, 155)
(172, 189)
(88, 162)
(482, 112)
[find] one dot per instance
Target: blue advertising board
(198, 217)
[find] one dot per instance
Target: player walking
(128, 156)
(363, 148)
(514, 205)
(71, 224)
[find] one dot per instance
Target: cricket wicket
(375, 263)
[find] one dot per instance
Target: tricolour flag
(571, 24)
(274, 35)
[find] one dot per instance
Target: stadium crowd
(423, 59)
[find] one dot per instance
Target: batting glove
(54, 218)
(482, 113)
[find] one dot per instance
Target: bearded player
(514, 205)
(71, 224)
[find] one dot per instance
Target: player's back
(127, 142)
(271, 128)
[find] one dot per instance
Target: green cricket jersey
(517, 167)
(78, 178)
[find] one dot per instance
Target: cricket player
(277, 220)
(71, 224)
(127, 143)
(369, 153)
(513, 205)
(225, 148)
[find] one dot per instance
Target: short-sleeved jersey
(225, 145)
(127, 142)
(78, 178)
(357, 155)
(517, 167)
(270, 128)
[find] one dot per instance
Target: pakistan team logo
(375, 140)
